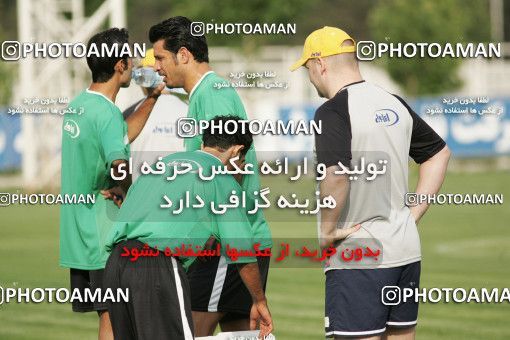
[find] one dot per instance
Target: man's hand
(337, 235)
(250, 275)
(260, 314)
(121, 187)
(210, 244)
(156, 92)
(116, 194)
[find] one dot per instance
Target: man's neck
(108, 89)
(339, 84)
(195, 75)
(218, 154)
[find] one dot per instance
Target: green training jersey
(91, 141)
(206, 102)
(142, 216)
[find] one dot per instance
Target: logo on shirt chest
(386, 117)
(163, 130)
(72, 128)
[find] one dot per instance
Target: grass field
(462, 246)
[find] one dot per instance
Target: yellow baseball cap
(148, 60)
(324, 42)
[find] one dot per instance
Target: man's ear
(322, 65)
(120, 66)
(237, 150)
(184, 56)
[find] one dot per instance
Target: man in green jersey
(182, 58)
(153, 215)
(94, 143)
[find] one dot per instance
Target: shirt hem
(115, 156)
(82, 266)
(241, 261)
(379, 266)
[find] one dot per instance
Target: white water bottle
(146, 77)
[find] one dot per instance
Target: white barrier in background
(244, 335)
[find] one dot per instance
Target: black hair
(103, 66)
(212, 137)
(176, 32)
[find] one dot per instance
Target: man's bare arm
(250, 275)
(136, 121)
(431, 177)
(338, 187)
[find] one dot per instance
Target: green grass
(462, 246)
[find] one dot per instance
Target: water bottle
(146, 77)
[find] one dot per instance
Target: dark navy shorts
(364, 302)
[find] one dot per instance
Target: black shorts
(217, 287)
(159, 304)
(83, 279)
(358, 304)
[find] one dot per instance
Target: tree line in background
(380, 20)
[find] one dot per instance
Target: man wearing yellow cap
(363, 124)
(159, 136)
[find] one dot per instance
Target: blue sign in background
(10, 128)
(470, 129)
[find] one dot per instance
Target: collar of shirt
(210, 154)
(100, 94)
(198, 83)
(354, 83)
